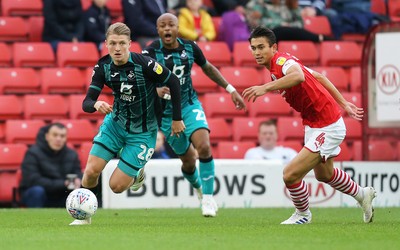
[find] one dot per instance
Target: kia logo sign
(388, 79)
(319, 192)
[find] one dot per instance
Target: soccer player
(130, 125)
(179, 55)
(317, 99)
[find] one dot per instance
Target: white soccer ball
(81, 203)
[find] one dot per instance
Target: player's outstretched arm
(213, 73)
(351, 109)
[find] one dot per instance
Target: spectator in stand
(234, 26)
(221, 6)
(311, 8)
(141, 17)
(195, 23)
(352, 17)
(50, 169)
(160, 151)
(175, 5)
(63, 21)
(267, 149)
(97, 19)
(283, 18)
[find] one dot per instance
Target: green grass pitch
(251, 228)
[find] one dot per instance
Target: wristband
(167, 97)
(230, 89)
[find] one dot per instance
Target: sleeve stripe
(95, 87)
(166, 79)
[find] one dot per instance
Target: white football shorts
(325, 140)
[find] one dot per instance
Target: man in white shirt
(267, 138)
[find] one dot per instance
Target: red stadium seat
(62, 81)
(86, 4)
(246, 129)
(13, 29)
(318, 25)
(19, 81)
(293, 144)
(35, 28)
(216, 52)
(346, 154)
(242, 55)
(354, 128)
(2, 132)
(270, 105)
(135, 47)
(394, 10)
(115, 7)
(337, 75)
(240, 77)
(355, 79)
(306, 51)
(33, 54)
(45, 107)
(83, 153)
(22, 131)
(340, 53)
(201, 82)
(233, 150)
(21, 7)
(219, 130)
(378, 7)
(381, 150)
(220, 105)
(5, 55)
(87, 74)
(8, 185)
(290, 128)
(11, 107)
(79, 131)
(83, 54)
(11, 156)
(75, 107)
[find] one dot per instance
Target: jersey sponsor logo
(280, 61)
(126, 88)
(114, 74)
(158, 68)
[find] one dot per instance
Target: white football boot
(81, 222)
(298, 218)
(141, 176)
(369, 194)
(209, 207)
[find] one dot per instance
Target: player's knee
(290, 177)
(204, 149)
(323, 178)
(91, 172)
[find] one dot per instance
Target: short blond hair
(118, 29)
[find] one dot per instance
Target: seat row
(216, 105)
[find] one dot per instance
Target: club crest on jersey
(157, 68)
(280, 61)
(131, 75)
(183, 55)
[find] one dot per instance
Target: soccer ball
(81, 203)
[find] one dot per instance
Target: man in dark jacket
(97, 19)
(50, 169)
(141, 17)
(63, 21)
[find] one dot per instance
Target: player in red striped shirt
(318, 101)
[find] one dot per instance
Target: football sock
(342, 182)
(207, 175)
(299, 195)
(193, 178)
